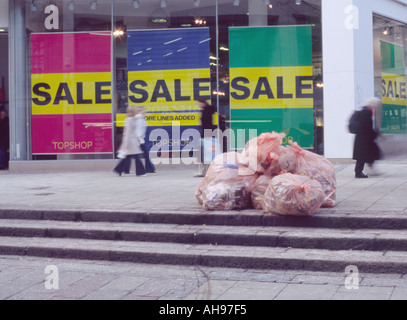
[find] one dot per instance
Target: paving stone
(399, 293)
(318, 279)
(106, 294)
(245, 290)
(364, 293)
(307, 292)
(126, 283)
(84, 287)
(211, 290)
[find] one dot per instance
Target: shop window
(70, 75)
(390, 54)
(95, 58)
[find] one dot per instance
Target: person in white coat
(130, 146)
(141, 135)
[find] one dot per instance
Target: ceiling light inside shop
(388, 31)
(163, 3)
(93, 5)
(118, 33)
(200, 21)
(297, 2)
(236, 2)
(71, 6)
(197, 3)
(136, 4)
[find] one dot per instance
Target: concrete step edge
(334, 239)
(324, 219)
(206, 255)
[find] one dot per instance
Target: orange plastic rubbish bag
(290, 194)
(282, 160)
(256, 152)
(259, 188)
(318, 168)
(227, 185)
(226, 163)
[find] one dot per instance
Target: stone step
(208, 255)
(325, 218)
(285, 237)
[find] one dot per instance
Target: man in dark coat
(4, 138)
(365, 148)
(206, 124)
(207, 116)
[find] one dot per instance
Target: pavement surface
(172, 189)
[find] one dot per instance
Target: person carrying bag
(130, 147)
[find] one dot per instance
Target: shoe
(142, 175)
(361, 175)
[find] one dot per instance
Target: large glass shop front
(390, 56)
(259, 62)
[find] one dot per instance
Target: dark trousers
(3, 159)
(360, 166)
(150, 168)
(125, 164)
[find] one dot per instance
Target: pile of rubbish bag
(284, 180)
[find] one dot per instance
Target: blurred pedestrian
(366, 150)
(4, 138)
(130, 146)
(141, 128)
(206, 123)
